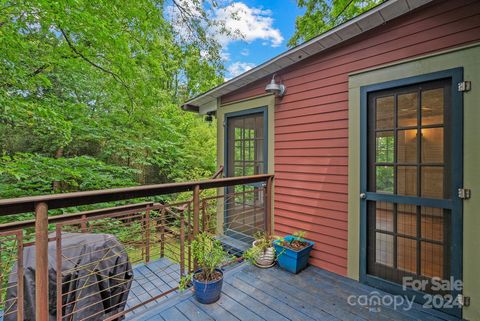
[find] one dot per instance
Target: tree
(99, 83)
(322, 15)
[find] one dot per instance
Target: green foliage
(298, 236)
(322, 15)
(209, 254)
(384, 179)
(90, 94)
(30, 174)
(263, 241)
(185, 282)
(385, 147)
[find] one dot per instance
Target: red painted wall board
(311, 121)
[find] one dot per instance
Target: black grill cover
(96, 274)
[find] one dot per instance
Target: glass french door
(246, 155)
(411, 213)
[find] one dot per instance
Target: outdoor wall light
(209, 117)
(276, 89)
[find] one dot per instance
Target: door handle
(363, 196)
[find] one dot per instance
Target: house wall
(311, 121)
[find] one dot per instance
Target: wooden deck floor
(253, 294)
(150, 280)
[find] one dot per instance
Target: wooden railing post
(41, 263)
(204, 216)
(196, 210)
(20, 282)
(83, 224)
(147, 234)
(196, 214)
(182, 243)
(162, 232)
(2, 276)
(58, 257)
(268, 205)
(189, 238)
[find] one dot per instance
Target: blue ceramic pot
(290, 260)
(208, 292)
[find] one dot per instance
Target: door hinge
(464, 300)
(464, 86)
(464, 193)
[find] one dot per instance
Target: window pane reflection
(384, 112)
(385, 178)
(407, 109)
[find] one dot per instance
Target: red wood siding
(311, 121)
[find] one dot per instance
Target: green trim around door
(245, 105)
(255, 112)
(237, 108)
(259, 110)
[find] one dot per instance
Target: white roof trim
(375, 17)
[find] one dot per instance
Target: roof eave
(190, 108)
(368, 20)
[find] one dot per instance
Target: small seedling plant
(209, 255)
(297, 242)
(263, 241)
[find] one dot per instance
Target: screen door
(245, 156)
(410, 200)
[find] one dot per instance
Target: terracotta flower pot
(266, 258)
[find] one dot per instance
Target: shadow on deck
(253, 294)
(150, 280)
(159, 276)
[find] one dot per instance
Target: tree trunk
(56, 185)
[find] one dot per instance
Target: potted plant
(208, 278)
(293, 252)
(262, 252)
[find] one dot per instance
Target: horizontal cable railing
(106, 263)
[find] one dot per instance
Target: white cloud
(247, 23)
(238, 68)
(239, 20)
(241, 23)
(225, 55)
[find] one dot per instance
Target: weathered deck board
(150, 280)
(250, 293)
(255, 305)
(280, 300)
(191, 311)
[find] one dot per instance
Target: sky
(266, 25)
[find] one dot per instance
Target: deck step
(233, 245)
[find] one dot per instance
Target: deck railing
(148, 238)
